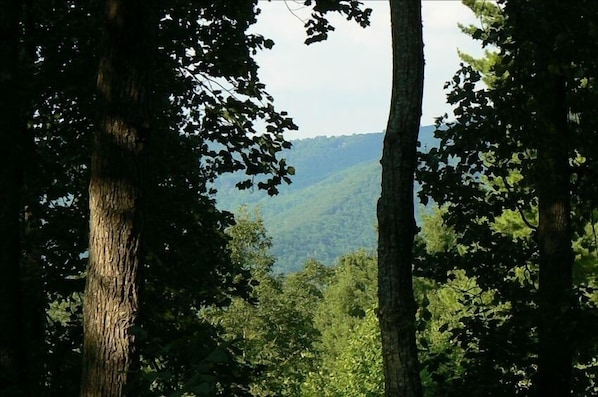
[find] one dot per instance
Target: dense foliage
(206, 97)
(315, 332)
(513, 155)
(217, 316)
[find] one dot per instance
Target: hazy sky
(342, 86)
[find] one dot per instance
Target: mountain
(330, 208)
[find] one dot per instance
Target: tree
(220, 86)
(550, 73)
(515, 150)
(274, 326)
(396, 221)
(552, 183)
(12, 357)
(348, 351)
(118, 169)
(208, 96)
(190, 102)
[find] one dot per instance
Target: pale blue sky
(342, 86)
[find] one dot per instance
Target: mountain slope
(330, 208)
(328, 219)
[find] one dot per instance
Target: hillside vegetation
(330, 208)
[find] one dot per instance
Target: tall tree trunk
(555, 352)
(116, 200)
(13, 371)
(396, 223)
(542, 67)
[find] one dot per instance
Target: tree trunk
(13, 371)
(396, 221)
(555, 353)
(116, 200)
(543, 66)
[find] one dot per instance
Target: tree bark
(543, 67)
(118, 171)
(555, 353)
(396, 223)
(13, 372)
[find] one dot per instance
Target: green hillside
(314, 159)
(330, 208)
(327, 219)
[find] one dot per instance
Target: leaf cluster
(488, 155)
(317, 26)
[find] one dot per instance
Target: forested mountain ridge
(330, 207)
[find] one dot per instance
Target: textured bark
(396, 221)
(116, 200)
(555, 352)
(12, 354)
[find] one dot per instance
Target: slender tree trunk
(116, 200)
(396, 221)
(13, 371)
(554, 239)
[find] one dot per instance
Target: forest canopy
(121, 275)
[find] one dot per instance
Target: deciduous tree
(118, 176)
(396, 223)
(516, 150)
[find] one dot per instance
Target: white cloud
(342, 85)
